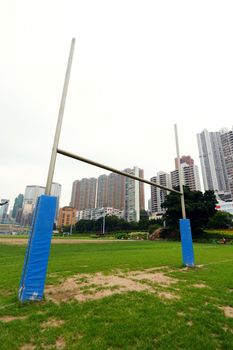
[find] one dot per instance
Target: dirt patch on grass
(180, 314)
(84, 287)
(159, 278)
(96, 287)
(7, 319)
(41, 312)
(169, 296)
(52, 323)
(60, 343)
(24, 241)
(228, 311)
(14, 241)
(227, 329)
(200, 285)
(189, 268)
(6, 293)
(28, 346)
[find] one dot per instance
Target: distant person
(224, 240)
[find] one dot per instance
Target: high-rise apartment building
(212, 162)
(56, 192)
(134, 195)
(106, 191)
(116, 191)
(102, 191)
(184, 159)
(110, 191)
(141, 191)
(189, 173)
(158, 195)
(30, 198)
(84, 193)
(17, 205)
(154, 202)
(227, 146)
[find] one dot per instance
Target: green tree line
(200, 209)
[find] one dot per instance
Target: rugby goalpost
(39, 242)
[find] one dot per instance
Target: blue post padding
(37, 255)
(187, 243)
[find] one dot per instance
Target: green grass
(133, 320)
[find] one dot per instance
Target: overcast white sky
(139, 67)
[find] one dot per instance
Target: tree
(85, 226)
(221, 219)
(144, 215)
(144, 222)
(114, 224)
(199, 209)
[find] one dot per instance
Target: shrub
(138, 235)
(122, 235)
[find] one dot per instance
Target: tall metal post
(180, 175)
(59, 122)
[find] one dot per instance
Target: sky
(139, 67)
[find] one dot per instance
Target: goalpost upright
(38, 250)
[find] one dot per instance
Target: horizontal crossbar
(99, 165)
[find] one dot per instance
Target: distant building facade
(67, 216)
(134, 195)
(189, 174)
(213, 166)
(184, 159)
(18, 204)
(30, 198)
(109, 191)
(84, 193)
(96, 213)
(102, 191)
(116, 191)
(190, 178)
(158, 195)
(225, 206)
(227, 146)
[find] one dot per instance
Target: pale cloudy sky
(139, 67)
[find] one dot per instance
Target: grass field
(122, 295)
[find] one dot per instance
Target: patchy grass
(175, 307)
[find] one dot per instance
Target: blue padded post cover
(37, 254)
(187, 243)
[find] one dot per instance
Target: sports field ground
(121, 295)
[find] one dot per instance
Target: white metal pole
(59, 122)
(180, 175)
